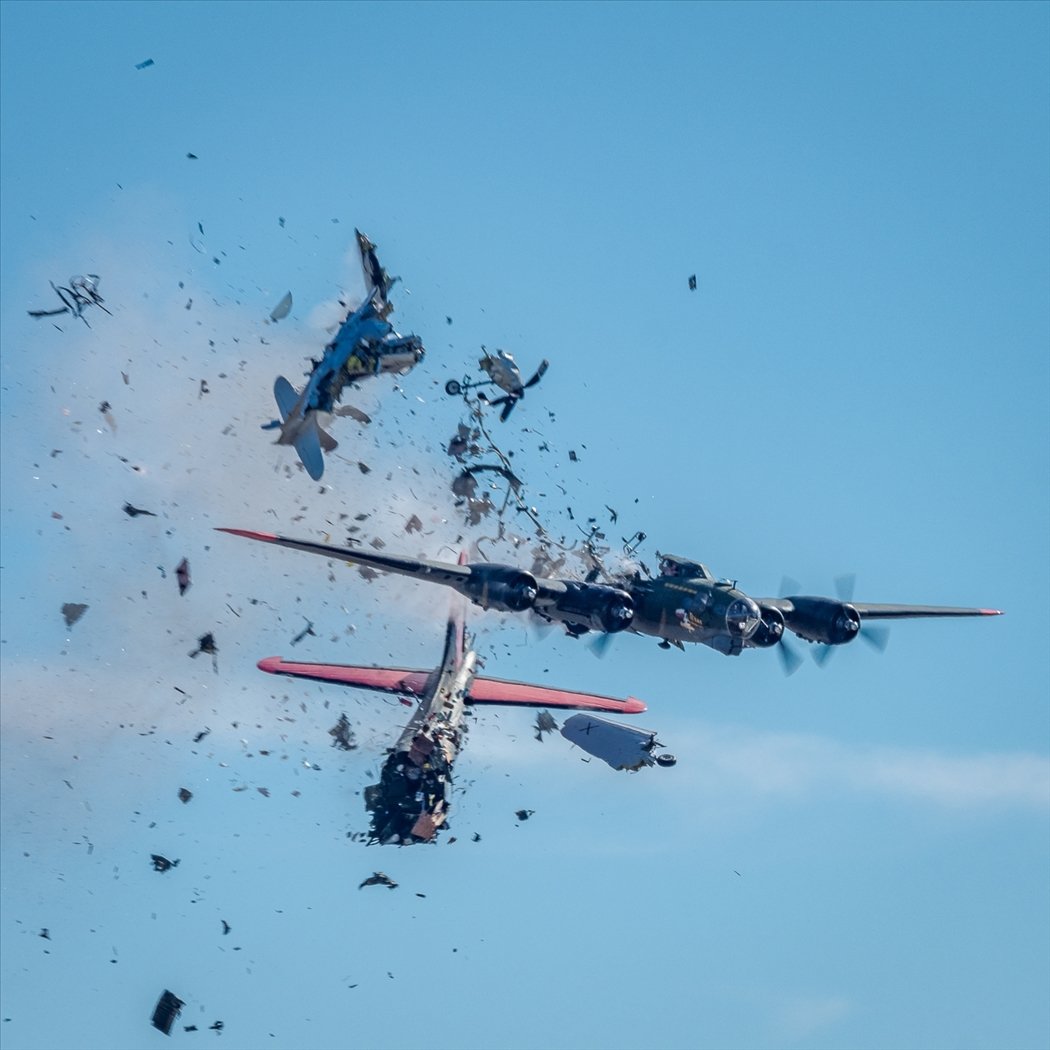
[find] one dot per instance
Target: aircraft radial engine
(820, 620)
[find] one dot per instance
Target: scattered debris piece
(342, 735)
(572, 456)
(364, 468)
(378, 878)
(476, 837)
(544, 723)
(265, 792)
(182, 575)
(217, 1027)
(107, 414)
(282, 309)
(201, 735)
(353, 413)
(167, 1011)
(502, 371)
(82, 292)
(307, 630)
(206, 644)
(45, 933)
(203, 387)
(134, 512)
(524, 814)
(162, 863)
(185, 795)
(72, 611)
(191, 156)
(621, 746)
(692, 283)
(144, 64)
(414, 524)
(226, 927)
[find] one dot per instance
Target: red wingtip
(266, 537)
(634, 706)
(270, 664)
(991, 612)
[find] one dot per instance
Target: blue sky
(859, 384)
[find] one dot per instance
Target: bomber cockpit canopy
(672, 565)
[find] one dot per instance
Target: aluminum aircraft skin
(365, 345)
(684, 603)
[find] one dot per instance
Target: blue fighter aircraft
(365, 345)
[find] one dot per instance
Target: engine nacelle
(770, 630)
(823, 620)
(501, 587)
(596, 606)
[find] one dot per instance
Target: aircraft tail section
(285, 396)
(307, 445)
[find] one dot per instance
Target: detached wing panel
(382, 679)
(497, 691)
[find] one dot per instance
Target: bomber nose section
(743, 617)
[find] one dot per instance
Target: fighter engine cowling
(501, 587)
(595, 606)
(823, 620)
(770, 630)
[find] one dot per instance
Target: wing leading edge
(887, 611)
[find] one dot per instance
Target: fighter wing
(497, 691)
(502, 587)
(381, 679)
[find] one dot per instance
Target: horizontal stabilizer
(308, 447)
(285, 396)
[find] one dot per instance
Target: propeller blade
(599, 645)
(845, 585)
(822, 654)
(877, 637)
(544, 364)
(789, 586)
(790, 661)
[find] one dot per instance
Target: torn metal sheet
(72, 611)
(282, 309)
(162, 863)
(545, 723)
(378, 878)
(692, 282)
(134, 512)
(182, 575)
(82, 292)
(342, 735)
(621, 746)
(185, 795)
(166, 1011)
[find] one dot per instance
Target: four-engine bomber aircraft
(684, 603)
(411, 801)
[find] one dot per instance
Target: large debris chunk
(166, 1011)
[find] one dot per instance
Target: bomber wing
(503, 587)
(482, 691)
(885, 611)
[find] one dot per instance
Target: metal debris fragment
(134, 512)
(692, 282)
(307, 630)
(206, 644)
(72, 611)
(107, 414)
(414, 524)
(82, 292)
(524, 814)
(182, 574)
(621, 746)
(144, 64)
(282, 309)
(201, 735)
(378, 878)
(167, 1011)
(162, 863)
(185, 795)
(342, 735)
(544, 723)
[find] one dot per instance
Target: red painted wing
(496, 691)
(384, 679)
